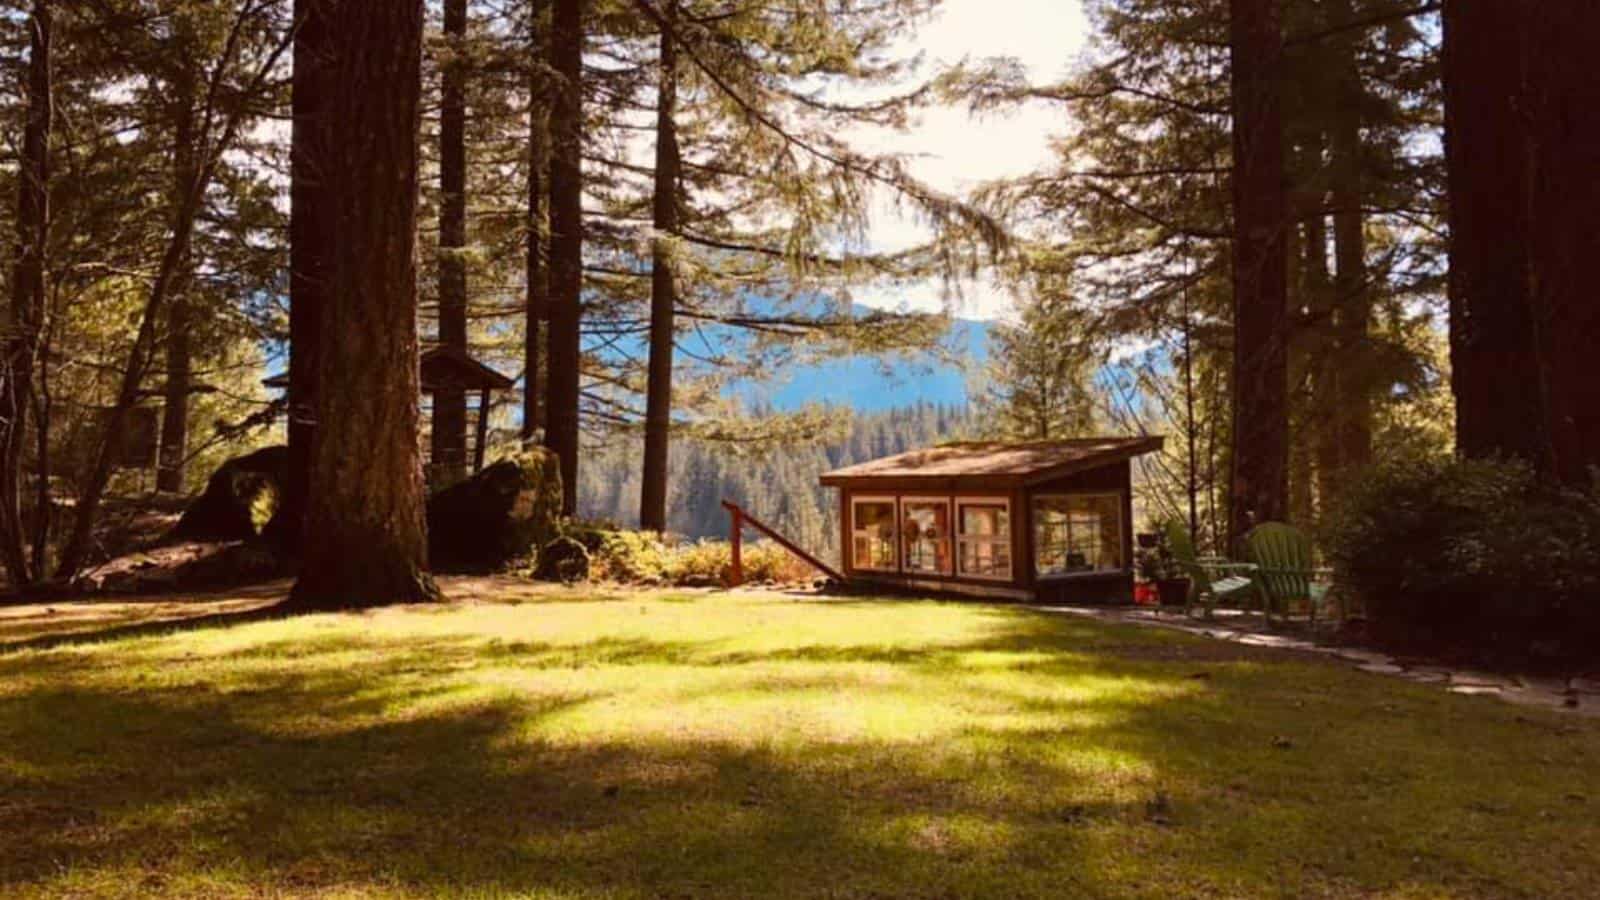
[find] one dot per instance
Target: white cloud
(953, 150)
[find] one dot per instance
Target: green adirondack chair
(1202, 585)
(1285, 569)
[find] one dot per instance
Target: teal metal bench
(1210, 579)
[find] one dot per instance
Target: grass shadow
(1031, 755)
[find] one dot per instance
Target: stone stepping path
(1579, 695)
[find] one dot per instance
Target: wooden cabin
(1045, 521)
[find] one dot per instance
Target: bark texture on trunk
(311, 234)
(365, 531)
(449, 463)
(1353, 383)
(537, 287)
(17, 388)
(1324, 362)
(565, 58)
(1260, 278)
(175, 405)
(663, 290)
(1499, 406)
(1563, 147)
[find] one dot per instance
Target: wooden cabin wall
(1109, 588)
(1115, 587)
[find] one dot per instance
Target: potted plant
(1157, 567)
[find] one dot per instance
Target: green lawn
(744, 745)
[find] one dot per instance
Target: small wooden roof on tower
(996, 462)
(442, 367)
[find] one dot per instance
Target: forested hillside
(777, 484)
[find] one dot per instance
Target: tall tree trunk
(27, 294)
(175, 408)
(1260, 279)
(1191, 434)
(538, 286)
(450, 406)
(365, 531)
(1563, 149)
(1499, 405)
(1327, 374)
(1353, 386)
(311, 235)
(663, 288)
(565, 57)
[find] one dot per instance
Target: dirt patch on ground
(51, 619)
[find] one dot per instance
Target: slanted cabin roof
(442, 367)
(994, 462)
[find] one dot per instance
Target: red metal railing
(738, 518)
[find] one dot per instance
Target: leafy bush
(639, 557)
(1470, 552)
(630, 557)
(706, 559)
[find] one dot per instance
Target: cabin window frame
(948, 538)
(893, 502)
(1007, 540)
(1035, 543)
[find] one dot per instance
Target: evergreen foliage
(777, 482)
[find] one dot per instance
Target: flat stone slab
(1584, 685)
(1470, 678)
(1271, 640)
(1556, 686)
(1476, 689)
(1535, 697)
(1580, 696)
(1351, 654)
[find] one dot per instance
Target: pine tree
(1260, 285)
(1042, 372)
(365, 536)
(184, 88)
(563, 386)
(663, 286)
(312, 231)
(449, 431)
(17, 389)
(1521, 226)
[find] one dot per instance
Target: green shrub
(639, 557)
(1471, 553)
(711, 559)
(629, 557)
(703, 561)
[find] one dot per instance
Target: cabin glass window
(1077, 534)
(925, 534)
(984, 538)
(873, 534)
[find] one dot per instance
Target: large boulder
(563, 559)
(239, 499)
(505, 512)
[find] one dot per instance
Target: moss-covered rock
(239, 499)
(502, 513)
(563, 559)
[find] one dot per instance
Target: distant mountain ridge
(874, 384)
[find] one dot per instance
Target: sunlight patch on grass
(732, 745)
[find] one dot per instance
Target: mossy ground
(575, 743)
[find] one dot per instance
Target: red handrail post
(736, 541)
